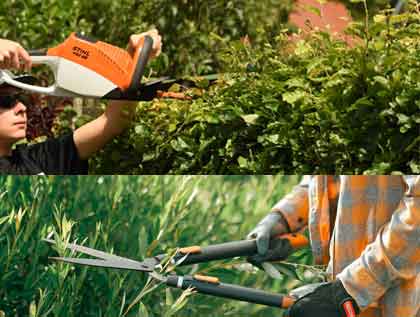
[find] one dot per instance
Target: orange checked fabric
(367, 229)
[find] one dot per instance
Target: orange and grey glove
(271, 225)
(327, 300)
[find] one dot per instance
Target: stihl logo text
(79, 52)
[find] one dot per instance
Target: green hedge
(187, 26)
(134, 217)
(316, 107)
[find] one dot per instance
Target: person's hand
(328, 300)
(271, 225)
(11, 55)
(137, 40)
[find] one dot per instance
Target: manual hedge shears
(282, 246)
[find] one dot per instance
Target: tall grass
(133, 217)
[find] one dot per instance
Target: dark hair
(10, 100)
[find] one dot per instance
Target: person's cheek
(3, 127)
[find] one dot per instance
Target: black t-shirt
(56, 156)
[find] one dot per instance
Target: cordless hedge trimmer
(84, 67)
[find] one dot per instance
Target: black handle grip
(143, 58)
(218, 252)
(280, 248)
(231, 291)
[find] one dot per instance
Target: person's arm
(12, 54)
(393, 256)
(288, 215)
(294, 207)
(93, 136)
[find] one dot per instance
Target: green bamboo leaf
(32, 309)
(169, 298)
(143, 312)
(287, 270)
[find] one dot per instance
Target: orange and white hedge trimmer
(88, 68)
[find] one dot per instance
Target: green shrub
(319, 107)
(133, 217)
(316, 107)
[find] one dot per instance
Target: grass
(133, 217)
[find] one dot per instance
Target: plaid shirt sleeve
(393, 257)
(295, 206)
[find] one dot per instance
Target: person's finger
(15, 59)
(24, 55)
(152, 33)
(157, 46)
(6, 60)
(6, 55)
(136, 40)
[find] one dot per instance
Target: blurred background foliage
(133, 217)
(187, 26)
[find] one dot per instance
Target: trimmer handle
(38, 58)
(142, 56)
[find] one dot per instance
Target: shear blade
(271, 270)
(126, 265)
(104, 259)
(92, 252)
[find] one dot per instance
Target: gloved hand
(329, 300)
(271, 225)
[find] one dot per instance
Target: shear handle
(284, 245)
(230, 291)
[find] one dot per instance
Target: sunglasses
(9, 101)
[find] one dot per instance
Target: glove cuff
(278, 219)
(347, 305)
